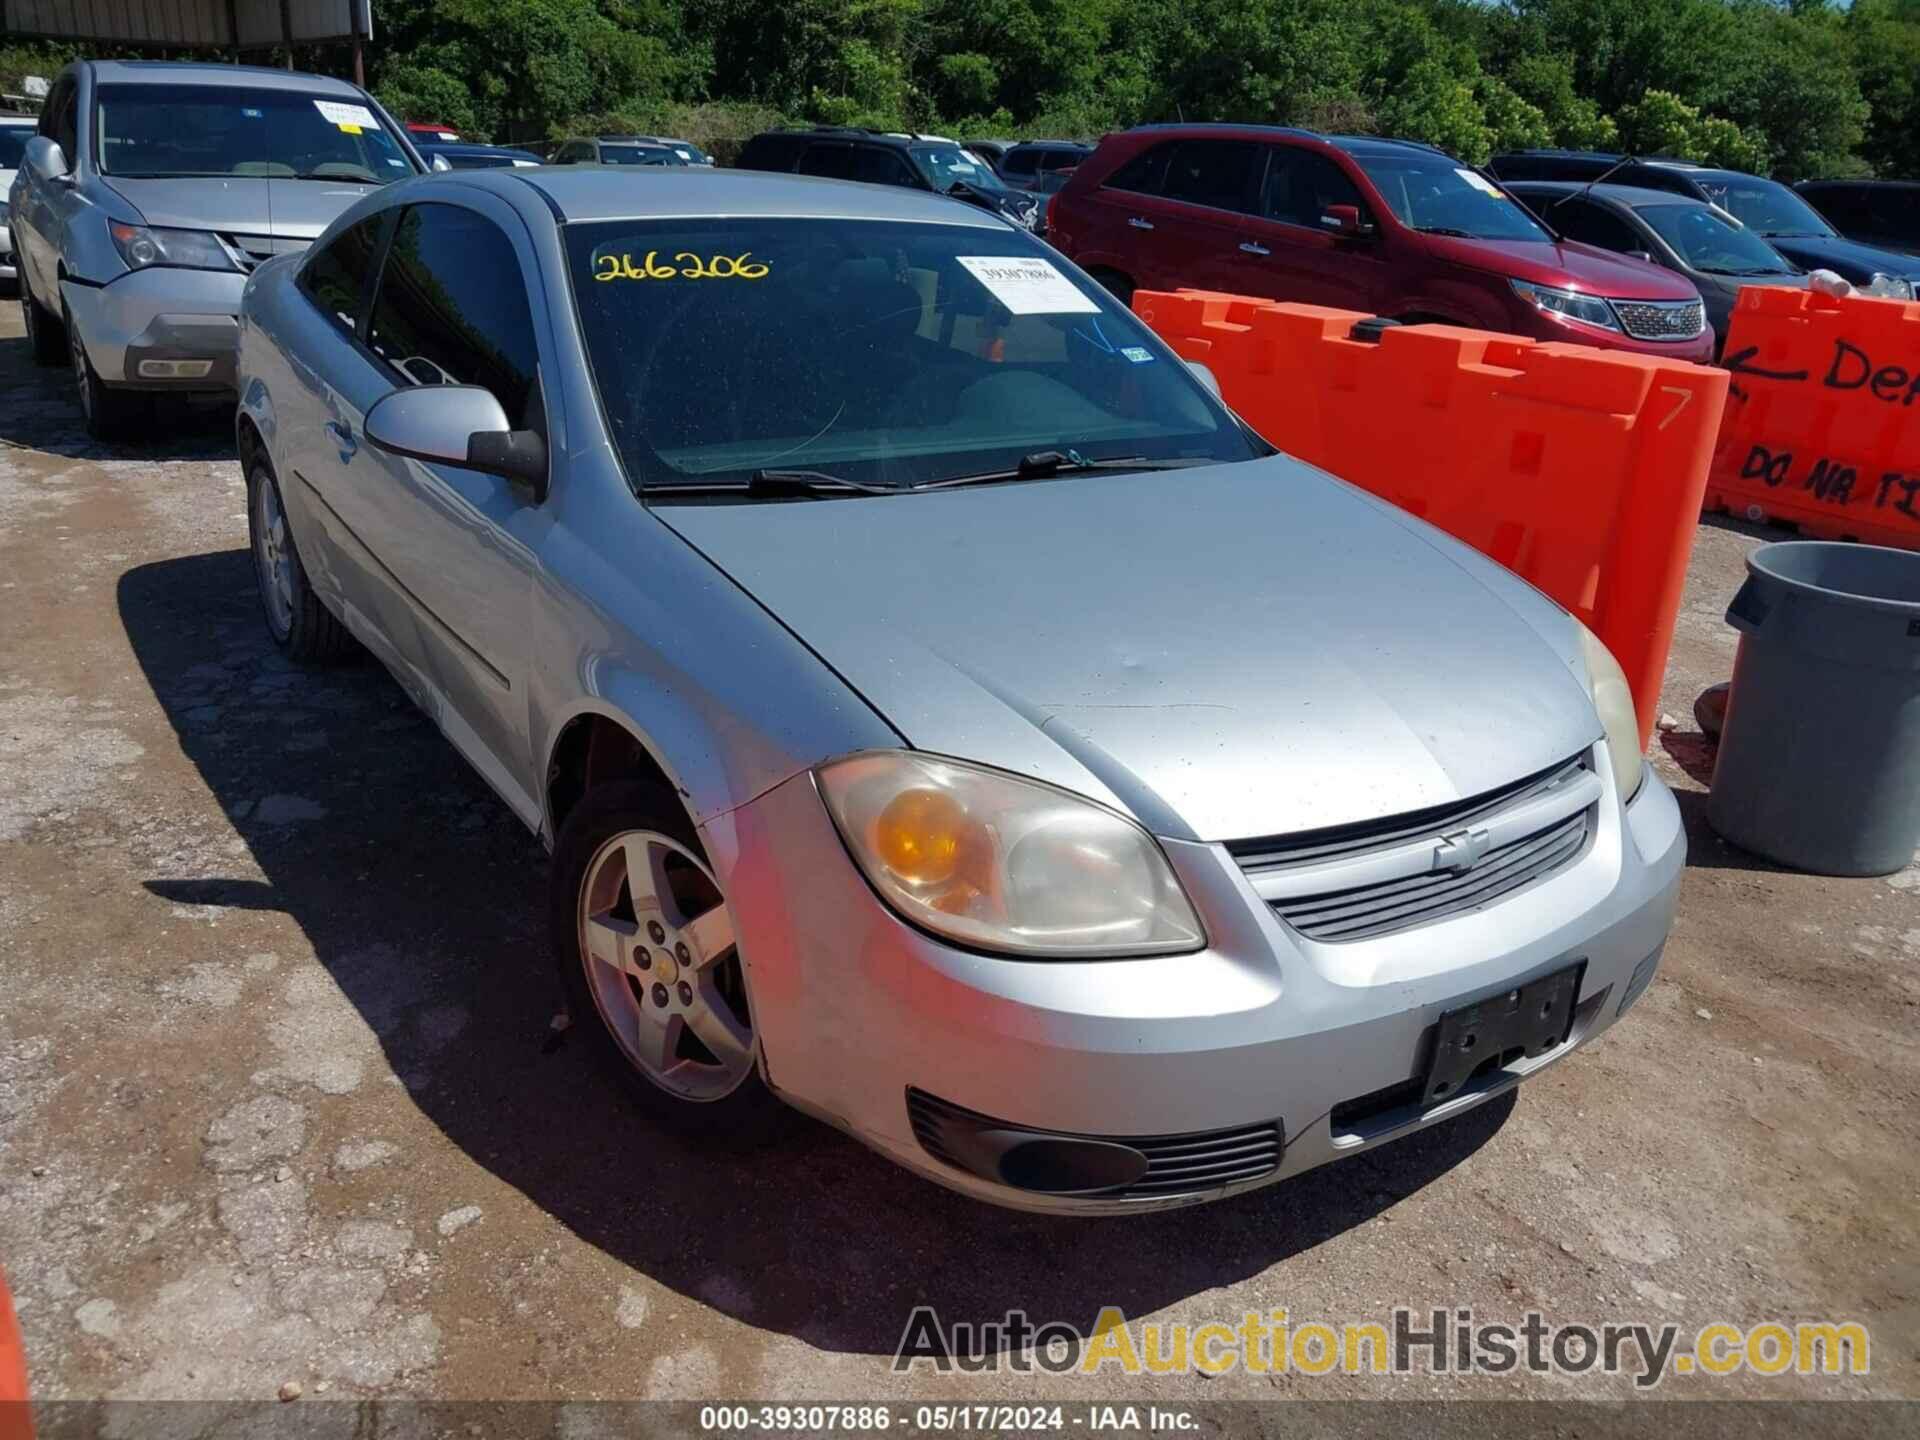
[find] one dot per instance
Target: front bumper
(1264, 1028)
(160, 318)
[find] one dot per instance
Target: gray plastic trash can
(1819, 762)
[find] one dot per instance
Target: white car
(15, 131)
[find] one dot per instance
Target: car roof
(578, 194)
(1858, 184)
(466, 147)
(1055, 144)
(1633, 197)
(185, 72)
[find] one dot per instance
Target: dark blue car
(476, 157)
(1775, 212)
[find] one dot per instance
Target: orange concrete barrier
(1580, 469)
(16, 1420)
(1823, 425)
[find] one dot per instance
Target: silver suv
(149, 193)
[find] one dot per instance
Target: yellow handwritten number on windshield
(691, 267)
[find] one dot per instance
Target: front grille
(250, 251)
(1661, 319)
(1176, 1164)
(1340, 913)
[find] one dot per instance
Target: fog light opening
(174, 369)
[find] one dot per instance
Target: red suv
(1388, 227)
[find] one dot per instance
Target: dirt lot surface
(278, 1102)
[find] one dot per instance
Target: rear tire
(1118, 285)
(111, 413)
(304, 629)
(46, 337)
(661, 985)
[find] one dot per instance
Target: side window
(1144, 174)
(880, 167)
(1588, 223)
(833, 162)
(335, 278)
(62, 120)
(451, 308)
(1020, 162)
(1217, 173)
(1300, 185)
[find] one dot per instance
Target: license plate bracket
(1522, 1020)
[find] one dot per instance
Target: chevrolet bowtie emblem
(1461, 850)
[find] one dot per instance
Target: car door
(1287, 249)
(882, 165)
(328, 480)
(38, 223)
(1199, 219)
(452, 306)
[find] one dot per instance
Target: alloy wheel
(82, 371)
(657, 945)
(273, 555)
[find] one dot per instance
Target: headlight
(1568, 304)
(999, 863)
(143, 246)
(1614, 701)
(1889, 287)
(6, 211)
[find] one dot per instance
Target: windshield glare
(168, 130)
(1766, 206)
(884, 353)
(1710, 241)
(1433, 193)
(946, 165)
(13, 145)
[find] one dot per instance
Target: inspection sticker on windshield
(1138, 354)
(350, 118)
(1479, 182)
(1028, 286)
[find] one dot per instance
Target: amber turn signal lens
(919, 834)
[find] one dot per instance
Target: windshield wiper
(1751, 270)
(1446, 230)
(777, 483)
(1043, 464)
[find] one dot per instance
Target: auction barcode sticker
(1028, 285)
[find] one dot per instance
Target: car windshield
(879, 353)
(1436, 194)
(180, 130)
(13, 145)
(948, 165)
(1708, 240)
(1766, 206)
(638, 155)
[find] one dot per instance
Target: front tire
(111, 413)
(653, 976)
(304, 629)
(45, 336)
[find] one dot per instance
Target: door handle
(343, 439)
(1137, 223)
(1254, 247)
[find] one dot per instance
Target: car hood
(1566, 265)
(1236, 651)
(1849, 258)
(240, 204)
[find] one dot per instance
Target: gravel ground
(279, 1103)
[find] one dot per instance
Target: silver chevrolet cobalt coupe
(946, 717)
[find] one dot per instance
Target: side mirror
(439, 162)
(47, 160)
(461, 425)
(1205, 376)
(1344, 220)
